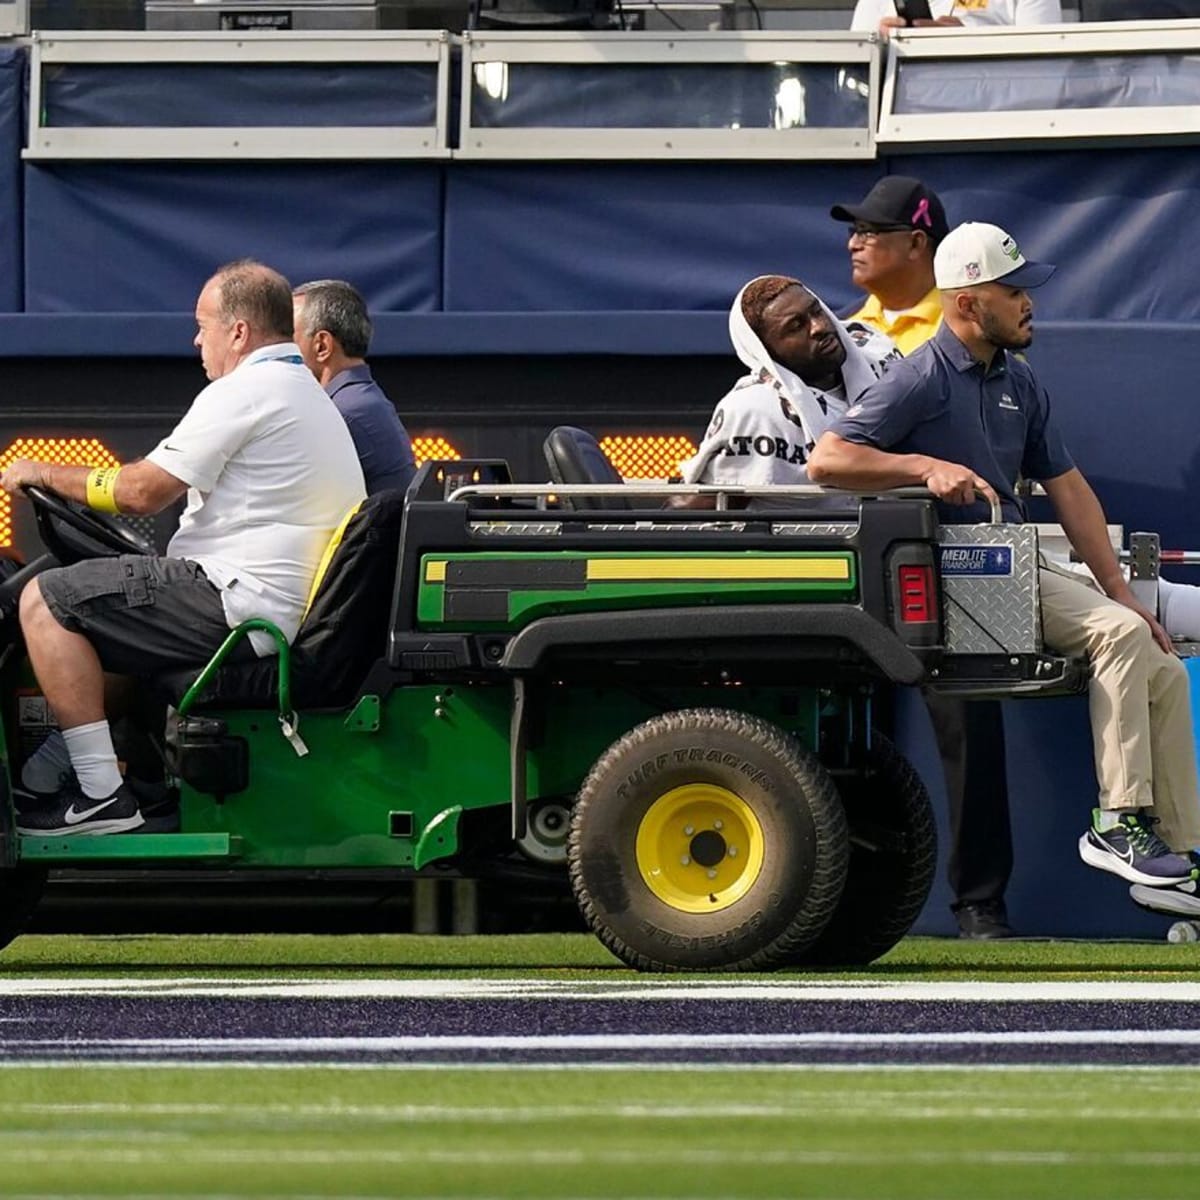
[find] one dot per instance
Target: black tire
(893, 855)
(20, 890)
(785, 809)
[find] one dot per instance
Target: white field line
(183, 1155)
(612, 1041)
(525, 989)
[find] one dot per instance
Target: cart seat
(574, 456)
(344, 629)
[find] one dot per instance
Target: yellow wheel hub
(699, 847)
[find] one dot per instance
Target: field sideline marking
(615, 1041)
(524, 989)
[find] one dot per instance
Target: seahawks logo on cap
(1009, 248)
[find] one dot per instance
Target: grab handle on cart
(996, 509)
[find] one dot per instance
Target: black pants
(970, 738)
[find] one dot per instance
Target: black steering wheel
(102, 535)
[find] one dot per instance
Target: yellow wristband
(102, 489)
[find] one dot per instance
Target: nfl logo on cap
(977, 253)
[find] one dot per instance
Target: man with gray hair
(269, 471)
(333, 332)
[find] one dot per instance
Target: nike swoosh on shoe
(74, 817)
(1125, 855)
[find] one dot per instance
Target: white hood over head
(764, 427)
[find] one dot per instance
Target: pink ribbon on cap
(922, 214)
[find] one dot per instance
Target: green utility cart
(671, 706)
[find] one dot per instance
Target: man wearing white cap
(965, 418)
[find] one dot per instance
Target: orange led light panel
(425, 448)
(648, 456)
(69, 452)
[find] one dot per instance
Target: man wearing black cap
(965, 417)
(893, 235)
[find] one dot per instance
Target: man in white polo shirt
(872, 16)
(269, 469)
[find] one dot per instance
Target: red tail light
(917, 600)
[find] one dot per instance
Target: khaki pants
(1139, 703)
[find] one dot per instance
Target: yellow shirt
(908, 329)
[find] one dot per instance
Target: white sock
(48, 765)
(94, 759)
(1110, 818)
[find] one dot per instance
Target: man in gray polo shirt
(966, 418)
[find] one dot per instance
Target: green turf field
(554, 956)
(613, 1133)
(402, 1131)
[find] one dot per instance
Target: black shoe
(73, 812)
(27, 799)
(983, 921)
(159, 804)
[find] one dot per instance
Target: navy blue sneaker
(1134, 851)
(75, 813)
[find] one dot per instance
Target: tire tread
(828, 816)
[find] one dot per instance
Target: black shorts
(142, 615)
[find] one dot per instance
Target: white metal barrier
(1041, 85)
(724, 95)
(52, 54)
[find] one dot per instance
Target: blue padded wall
(1115, 221)
(565, 238)
(141, 238)
(621, 236)
(12, 118)
(1124, 396)
(649, 236)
